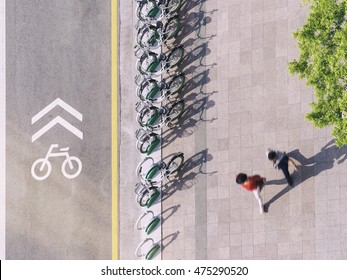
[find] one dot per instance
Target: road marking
(57, 102)
(44, 162)
(2, 130)
(62, 122)
(114, 124)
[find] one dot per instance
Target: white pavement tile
(259, 105)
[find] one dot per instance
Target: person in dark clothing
(280, 160)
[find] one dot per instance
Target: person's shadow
(309, 167)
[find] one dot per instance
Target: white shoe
(261, 210)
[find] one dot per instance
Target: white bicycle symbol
(41, 172)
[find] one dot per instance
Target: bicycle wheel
(149, 144)
(75, 168)
(176, 110)
(148, 37)
(148, 197)
(175, 57)
(176, 84)
(173, 6)
(171, 28)
(148, 90)
(148, 11)
(151, 253)
(41, 169)
(175, 163)
(148, 63)
(148, 116)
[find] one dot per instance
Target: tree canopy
(322, 62)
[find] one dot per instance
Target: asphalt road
(58, 49)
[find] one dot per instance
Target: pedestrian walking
(280, 160)
(253, 184)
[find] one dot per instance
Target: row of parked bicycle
(158, 23)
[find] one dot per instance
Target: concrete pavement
(251, 104)
(240, 100)
(58, 49)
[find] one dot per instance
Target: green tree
(322, 62)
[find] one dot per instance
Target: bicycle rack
(148, 191)
(141, 164)
(143, 136)
(150, 225)
(154, 171)
(151, 252)
(141, 189)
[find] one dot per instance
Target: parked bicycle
(149, 10)
(147, 224)
(151, 251)
(146, 142)
(146, 193)
(154, 117)
(154, 64)
(153, 35)
(153, 91)
(157, 171)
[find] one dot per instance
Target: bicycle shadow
(187, 124)
(194, 21)
(190, 23)
(197, 81)
(189, 5)
(309, 167)
(195, 56)
(171, 238)
(197, 47)
(187, 175)
(171, 211)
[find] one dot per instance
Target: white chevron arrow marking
(52, 123)
(57, 102)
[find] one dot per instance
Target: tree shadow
(310, 167)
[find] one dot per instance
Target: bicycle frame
(50, 154)
(158, 113)
(153, 64)
(151, 36)
(158, 11)
(154, 169)
(154, 91)
(154, 113)
(143, 136)
(154, 88)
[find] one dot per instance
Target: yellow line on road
(114, 124)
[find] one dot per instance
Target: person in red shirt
(252, 184)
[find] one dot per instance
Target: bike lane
(58, 114)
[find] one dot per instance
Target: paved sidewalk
(240, 100)
(244, 104)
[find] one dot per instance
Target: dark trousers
(283, 165)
